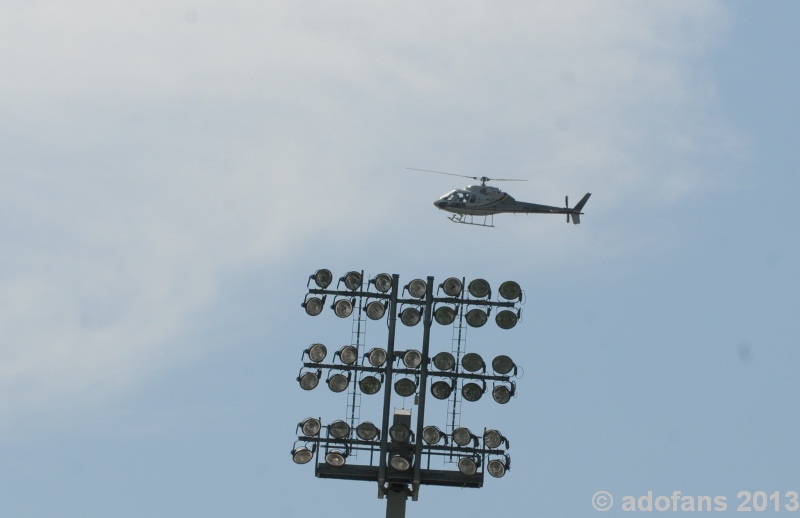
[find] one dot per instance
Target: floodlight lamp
(441, 389)
(444, 361)
(309, 380)
(376, 309)
(510, 290)
(302, 455)
(352, 280)
(472, 362)
(502, 394)
(505, 319)
(410, 316)
(370, 385)
(431, 435)
(310, 426)
(322, 278)
(462, 436)
(496, 468)
(338, 382)
(492, 439)
(366, 431)
(412, 359)
(476, 317)
(444, 315)
(405, 387)
(335, 458)
(452, 287)
(417, 288)
(339, 429)
(472, 392)
(399, 432)
(313, 306)
(399, 462)
(382, 282)
(348, 354)
(317, 353)
(343, 308)
(467, 466)
(503, 365)
(376, 357)
(479, 288)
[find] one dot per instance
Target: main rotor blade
(442, 172)
(481, 178)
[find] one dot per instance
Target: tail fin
(576, 216)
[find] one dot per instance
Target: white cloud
(149, 148)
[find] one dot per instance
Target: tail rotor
(566, 205)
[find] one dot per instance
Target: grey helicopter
(469, 204)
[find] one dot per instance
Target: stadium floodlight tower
(399, 449)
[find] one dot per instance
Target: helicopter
(473, 201)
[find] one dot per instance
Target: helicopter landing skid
(468, 219)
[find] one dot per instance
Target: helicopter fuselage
(483, 200)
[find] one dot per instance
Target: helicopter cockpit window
(472, 199)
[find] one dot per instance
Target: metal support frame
(394, 485)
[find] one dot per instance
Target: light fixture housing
(452, 287)
(370, 385)
(335, 458)
(382, 282)
(502, 364)
(399, 433)
(477, 317)
(444, 315)
(338, 382)
(471, 392)
(462, 436)
(352, 280)
(479, 288)
(339, 429)
(348, 354)
(510, 290)
(405, 387)
(432, 435)
(310, 426)
(496, 468)
(467, 466)
(399, 462)
(505, 319)
(309, 380)
(376, 357)
(317, 353)
(343, 308)
(441, 389)
(502, 394)
(410, 316)
(375, 310)
(493, 439)
(367, 431)
(313, 306)
(444, 361)
(472, 362)
(302, 455)
(412, 359)
(417, 288)
(322, 278)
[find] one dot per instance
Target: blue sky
(173, 173)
